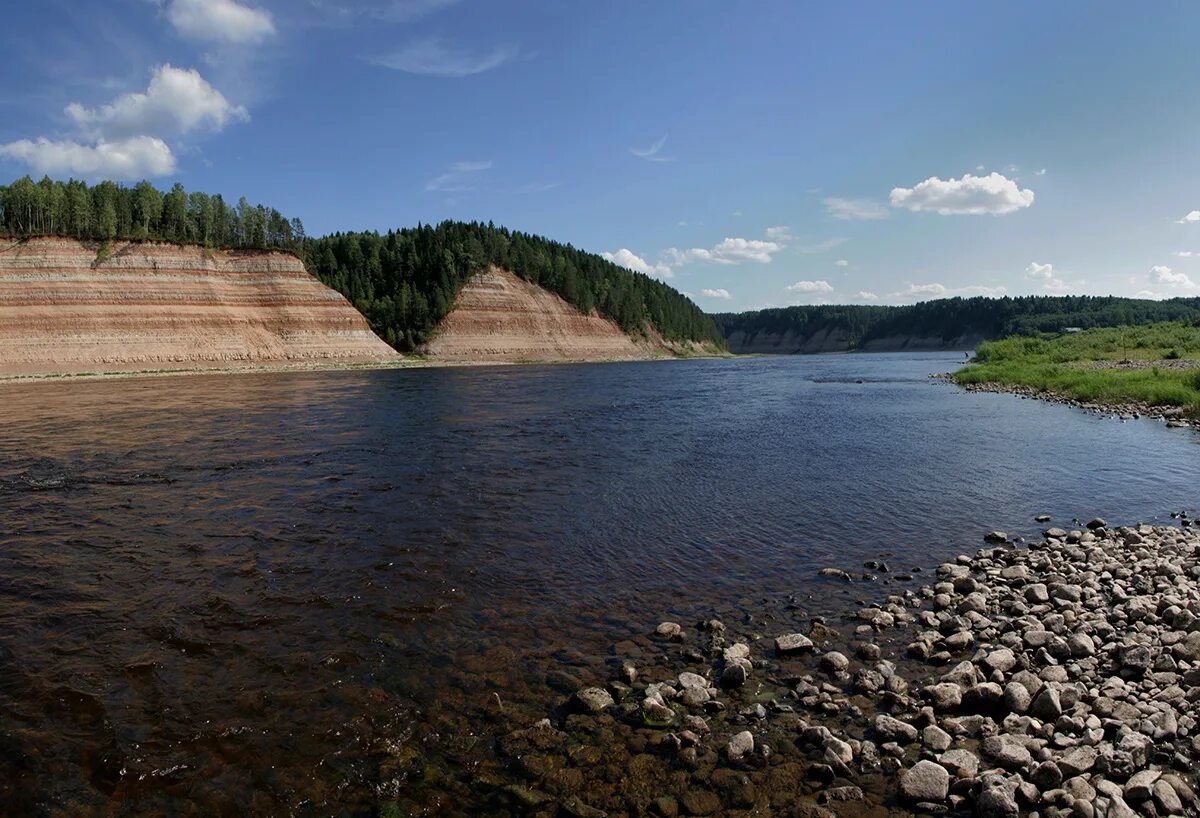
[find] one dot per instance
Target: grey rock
(740, 745)
(592, 700)
(793, 643)
(925, 782)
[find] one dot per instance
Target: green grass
(1063, 365)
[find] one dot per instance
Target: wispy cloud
(820, 246)
(653, 153)
(220, 21)
(537, 187)
(406, 11)
(938, 290)
(867, 295)
(458, 178)
(779, 233)
(854, 209)
(434, 58)
(841, 262)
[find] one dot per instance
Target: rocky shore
(1058, 679)
(1173, 416)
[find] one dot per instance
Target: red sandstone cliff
(65, 307)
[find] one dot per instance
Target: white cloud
(458, 178)
(810, 287)
(969, 196)
(406, 11)
(722, 294)
(841, 262)
(937, 290)
(729, 251)
(855, 209)
(631, 260)
(779, 233)
(223, 21)
(1167, 277)
(867, 295)
(652, 153)
(432, 57)
(1041, 172)
(1050, 280)
(135, 158)
(1186, 253)
(1193, 216)
(177, 101)
(821, 246)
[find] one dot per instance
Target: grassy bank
(1155, 365)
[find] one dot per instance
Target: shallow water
(312, 592)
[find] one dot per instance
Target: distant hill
(406, 281)
(950, 323)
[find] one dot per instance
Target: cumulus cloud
(458, 178)
(177, 101)
(867, 295)
(969, 196)
(1165, 276)
(221, 21)
(1049, 278)
(653, 153)
(632, 261)
(854, 209)
(810, 287)
(1191, 217)
(841, 262)
(728, 251)
(433, 57)
(138, 157)
(720, 293)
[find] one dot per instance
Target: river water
(316, 593)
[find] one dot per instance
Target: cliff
(72, 307)
(499, 318)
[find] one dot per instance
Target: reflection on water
(308, 592)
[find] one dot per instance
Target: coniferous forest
(405, 281)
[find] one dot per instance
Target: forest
(405, 281)
(951, 318)
(109, 211)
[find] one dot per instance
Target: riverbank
(403, 362)
(1151, 370)
(1062, 678)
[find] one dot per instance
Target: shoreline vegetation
(1151, 370)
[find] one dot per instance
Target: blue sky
(756, 154)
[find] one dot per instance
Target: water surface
(309, 592)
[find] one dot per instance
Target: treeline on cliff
(109, 211)
(405, 281)
(952, 318)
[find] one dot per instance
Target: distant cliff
(499, 317)
(948, 323)
(70, 307)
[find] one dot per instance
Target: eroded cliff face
(501, 318)
(67, 308)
